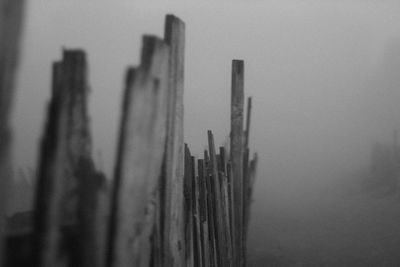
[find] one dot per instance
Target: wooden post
(231, 206)
(67, 189)
(173, 219)
(188, 208)
(139, 157)
(237, 96)
(225, 205)
(50, 177)
(197, 245)
(218, 214)
(11, 19)
(203, 213)
(211, 213)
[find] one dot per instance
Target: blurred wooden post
(11, 19)
(139, 157)
(172, 192)
(67, 189)
(237, 96)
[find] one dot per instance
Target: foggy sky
(323, 74)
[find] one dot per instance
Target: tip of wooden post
(237, 66)
(150, 44)
(77, 55)
(173, 26)
(171, 18)
(130, 75)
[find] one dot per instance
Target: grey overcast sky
(323, 74)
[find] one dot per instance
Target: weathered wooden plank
(223, 178)
(231, 207)
(197, 244)
(66, 173)
(11, 20)
(211, 213)
(174, 158)
(203, 213)
(237, 96)
(188, 209)
(218, 214)
(139, 157)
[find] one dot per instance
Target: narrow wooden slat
(231, 207)
(236, 147)
(203, 212)
(197, 244)
(219, 219)
(225, 215)
(139, 157)
(248, 120)
(172, 223)
(211, 213)
(245, 201)
(188, 209)
(11, 20)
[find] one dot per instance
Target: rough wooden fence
(164, 207)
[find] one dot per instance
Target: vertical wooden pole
(211, 213)
(219, 219)
(67, 181)
(197, 245)
(231, 206)
(237, 96)
(50, 177)
(203, 213)
(225, 204)
(139, 157)
(11, 19)
(188, 209)
(174, 156)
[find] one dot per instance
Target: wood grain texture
(173, 218)
(237, 99)
(139, 157)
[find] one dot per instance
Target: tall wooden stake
(139, 157)
(237, 99)
(173, 223)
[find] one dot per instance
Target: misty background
(324, 76)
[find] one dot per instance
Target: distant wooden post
(139, 157)
(237, 99)
(11, 19)
(173, 218)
